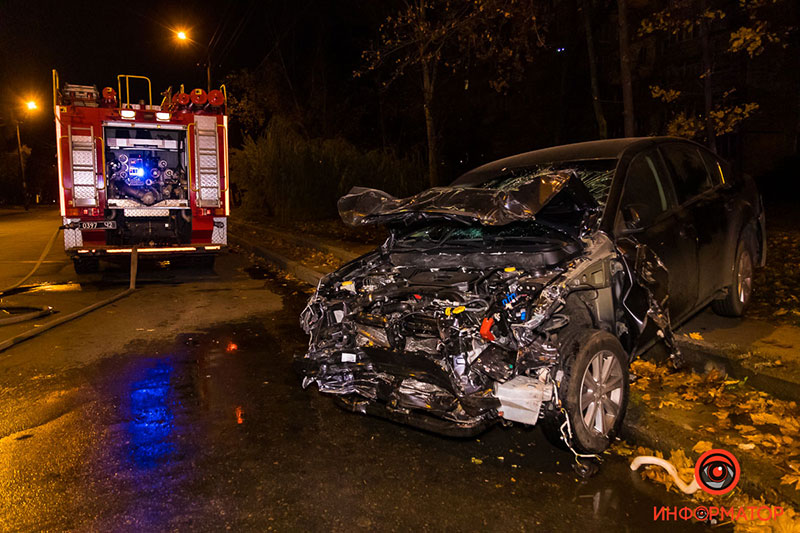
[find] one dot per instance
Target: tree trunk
(602, 127)
(708, 95)
(625, 69)
(430, 127)
(562, 96)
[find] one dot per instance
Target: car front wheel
(594, 390)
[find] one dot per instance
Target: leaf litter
(745, 420)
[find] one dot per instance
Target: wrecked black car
(522, 291)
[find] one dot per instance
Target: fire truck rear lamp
(169, 249)
(127, 113)
(162, 116)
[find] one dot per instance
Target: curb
(302, 241)
(301, 272)
(698, 356)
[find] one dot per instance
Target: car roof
(591, 150)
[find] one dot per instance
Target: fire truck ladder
(84, 166)
(207, 157)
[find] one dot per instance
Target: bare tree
(417, 37)
(626, 77)
(602, 126)
(435, 36)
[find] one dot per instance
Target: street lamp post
(31, 105)
(182, 36)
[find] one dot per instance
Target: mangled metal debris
(487, 304)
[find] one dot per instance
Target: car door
(700, 195)
(727, 209)
(648, 211)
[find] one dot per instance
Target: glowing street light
(31, 105)
(181, 35)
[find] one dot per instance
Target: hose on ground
(37, 311)
(36, 266)
(17, 316)
(691, 488)
(25, 335)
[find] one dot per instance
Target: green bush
(289, 176)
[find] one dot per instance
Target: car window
(714, 168)
(689, 174)
(646, 188)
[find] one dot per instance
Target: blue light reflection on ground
(151, 422)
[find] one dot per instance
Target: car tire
(740, 290)
(87, 265)
(594, 391)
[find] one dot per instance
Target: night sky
(307, 50)
(90, 42)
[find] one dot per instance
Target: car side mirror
(633, 220)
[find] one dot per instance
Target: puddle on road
(259, 272)
(45, 286)
(150, 416)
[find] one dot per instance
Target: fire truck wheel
(86, 265)
(205, 262)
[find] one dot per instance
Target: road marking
(30, 262)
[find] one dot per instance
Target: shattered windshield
(446, 233)
(596, 175)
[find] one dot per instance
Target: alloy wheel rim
(744, 279)
(601, 393)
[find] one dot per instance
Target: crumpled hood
(519, 199)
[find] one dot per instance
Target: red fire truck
(140, 176)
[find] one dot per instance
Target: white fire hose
(691, 488)
(25, 335)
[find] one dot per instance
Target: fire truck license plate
(104, 224)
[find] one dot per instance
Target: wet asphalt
(207, 428)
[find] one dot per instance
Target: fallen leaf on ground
(702, 446)
(791, 479)
(765, 418)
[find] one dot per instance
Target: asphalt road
(177, 408)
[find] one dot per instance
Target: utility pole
(208, 69)
(22, 170)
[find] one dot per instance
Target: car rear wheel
(740, 291)
(594, 391)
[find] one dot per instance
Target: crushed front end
(451, 330)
